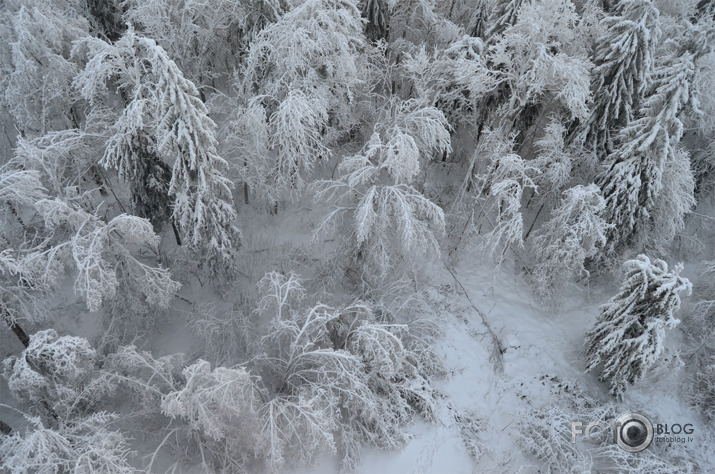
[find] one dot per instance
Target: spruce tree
(165, 124)
(628, 336)
(623, 58)
(632, 181)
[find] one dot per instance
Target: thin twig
(497, 356)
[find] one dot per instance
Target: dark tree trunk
(176, 232)
(5, 428)
(19, 332)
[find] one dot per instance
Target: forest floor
(542, 349)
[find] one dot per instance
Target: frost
(563, 244)
(628, 336)
(375, 188)
(95, 246)
(165, 124)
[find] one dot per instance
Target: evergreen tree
(628, 336)
(624, 58)
(632, 181)
(164, 124)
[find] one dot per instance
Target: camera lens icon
(635, 432)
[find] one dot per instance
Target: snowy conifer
(624, 58)
(628, 336)
(164, 119)
(632, 182)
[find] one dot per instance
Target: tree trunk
(176, 232)
(5, 428)
(19, 332)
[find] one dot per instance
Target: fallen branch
(497, 357)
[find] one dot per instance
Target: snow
(385, 306)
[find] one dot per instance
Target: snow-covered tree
(554, 161)
(564, 242)
(317, 42)
(700, 327)
(624, 58)
(37, 72)
(503, 15)
(55, 377)
(102, 253)
(51, 372)
(628, 336)
(542, 433)
(164, 124)
(541, 56)
(632, 181)
(246, 136)
(480, 16)
(86, 444)
(675, 200)
(377, 14)
(305, 70)
(138, 375)
(497, 178)
(205, 38)
(375, 189)
(18, 188)
(21, 265)
(414, 23)
(456, 79)
(296, 136)
(106, 18)
(342, 378)
(222, 406)
(66, 160)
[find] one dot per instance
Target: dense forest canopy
(222, 221)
